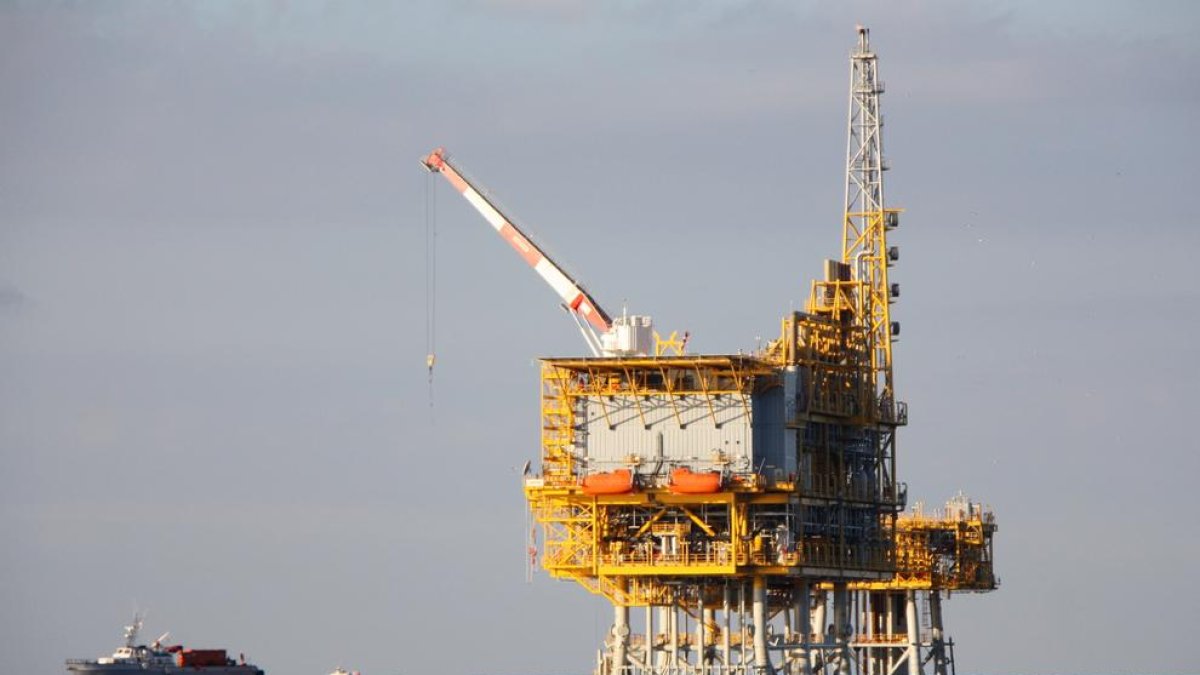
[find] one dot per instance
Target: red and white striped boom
(573, 295)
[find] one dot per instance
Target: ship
(157, 659)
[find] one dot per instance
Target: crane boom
(577, 300)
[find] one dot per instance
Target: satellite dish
(525, 469)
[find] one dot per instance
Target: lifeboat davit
(684, 481)
(608, 483)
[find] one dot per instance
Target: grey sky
(213, 397)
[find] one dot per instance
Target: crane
(626, 335)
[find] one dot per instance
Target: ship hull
(148, 669)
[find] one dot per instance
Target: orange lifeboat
(686, 482)
(608, 483)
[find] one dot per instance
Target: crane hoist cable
(430, 279)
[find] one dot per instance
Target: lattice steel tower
(867, 220)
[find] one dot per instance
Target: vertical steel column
(708, 644)
(673, 620)
(937, 639)
(867, 628)
(890, 628)
(742, 622)
(803, 602)
(620, 634)
(818, 615)
(914, 633)
(664, 623)
(818, 622)
(725, 633)
(762, 662)
(648, 647)
(841, 626)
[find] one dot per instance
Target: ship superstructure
(742, 512)
(133, 658)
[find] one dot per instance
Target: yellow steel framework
(607, 542)
(942, 552)
(820, 522)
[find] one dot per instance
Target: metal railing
(712, 553)
(893, 412)
(719, 553)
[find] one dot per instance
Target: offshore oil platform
(742, 512)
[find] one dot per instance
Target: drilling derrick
(865, 253)
(741, 512)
